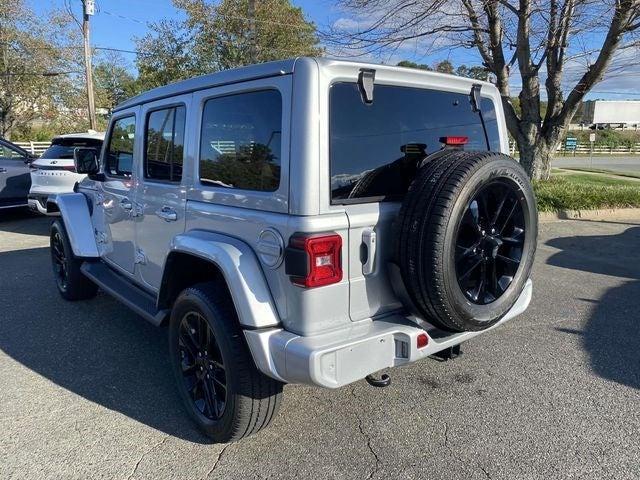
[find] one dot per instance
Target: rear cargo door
(370, 249)
(375, 150)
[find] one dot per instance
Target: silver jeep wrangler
(304, 221)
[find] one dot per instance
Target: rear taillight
(454, 141)
(70, 168)
(314, 260)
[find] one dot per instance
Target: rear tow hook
(383, 381)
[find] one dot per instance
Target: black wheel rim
(203, 370)
(59, 258)
(489, 241)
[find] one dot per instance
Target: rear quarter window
(375, 148)
(241, 141)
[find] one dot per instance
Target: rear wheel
(466, 238)
(71, 283)
(221, 388)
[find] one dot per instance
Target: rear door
(375, 151)
(120, 157)
(14, 176)
(161, 194)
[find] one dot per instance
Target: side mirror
(86, 160)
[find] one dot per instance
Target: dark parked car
(15, 180)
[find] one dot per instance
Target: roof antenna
(365, 81)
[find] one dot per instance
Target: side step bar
(121, 289)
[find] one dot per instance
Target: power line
(224, 15)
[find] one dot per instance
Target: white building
(613, 113)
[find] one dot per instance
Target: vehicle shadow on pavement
(611, 335)
(97, 349)
(24, 222)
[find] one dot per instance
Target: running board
(121, 289)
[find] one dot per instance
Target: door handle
(369, 240)
(168, 214)
(126, 204)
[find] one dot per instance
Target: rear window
(62, 148)
(375, 148)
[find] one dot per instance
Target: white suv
(54, 172)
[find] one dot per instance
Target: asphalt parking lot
(86, 390)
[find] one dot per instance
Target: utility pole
(88, 9)
(251, 14)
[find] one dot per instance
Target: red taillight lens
(314, 260)
(422, 340)
(454, 141)
(70, 168)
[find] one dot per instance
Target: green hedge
(586, 192)
(607, 137)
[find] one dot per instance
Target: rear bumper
(340, 357)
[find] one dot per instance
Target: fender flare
(74, 210)
(241, 270)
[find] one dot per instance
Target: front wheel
(220, 386)
(71, 283)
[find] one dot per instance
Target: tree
(113, 82)
(444, 66)
(409, 64)
(166, 55)
(477, 72)
(561, 44)
(222, 35)
(29, 58)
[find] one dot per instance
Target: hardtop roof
(265, 70)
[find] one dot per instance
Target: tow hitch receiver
(447, 354)
(383, 381)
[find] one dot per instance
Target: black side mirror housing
(86, 160)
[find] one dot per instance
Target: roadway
(629, 164)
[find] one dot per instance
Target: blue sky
(118, 22)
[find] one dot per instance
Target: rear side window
(375, 148)
(62, 148)
(240, 141)
(164, 140)
(120, 148)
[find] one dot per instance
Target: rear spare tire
(466, 238)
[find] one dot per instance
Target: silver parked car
(304, 221)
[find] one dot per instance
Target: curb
(602, 215)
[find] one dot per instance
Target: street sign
(592, 137)
(89, 7)
(570, 143)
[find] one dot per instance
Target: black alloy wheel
(59, 261)
(203, 371)
(489, 241)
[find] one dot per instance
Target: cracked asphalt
(86, 390)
